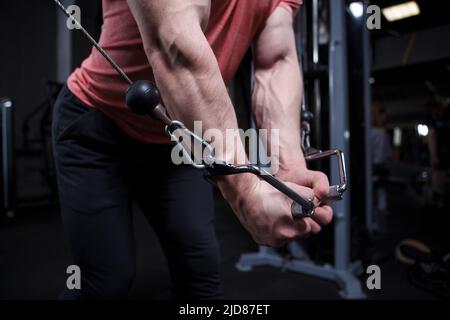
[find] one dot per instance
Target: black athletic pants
(100, 169)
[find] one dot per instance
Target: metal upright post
(317, 110)
(367, 65)
(339, 138)
(8, 168)
(339, 130)
(63, 46)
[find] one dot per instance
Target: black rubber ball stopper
(307, 116)
(142, 97)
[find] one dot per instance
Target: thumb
(305, 192)
(319, 183)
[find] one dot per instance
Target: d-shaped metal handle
(336, 192)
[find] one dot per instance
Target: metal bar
(8, 168)
(64, 48)
(316, 83)
(367, 64)
(339, 127)
(315, 31)
(342, 171)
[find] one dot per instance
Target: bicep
(165, 24)
(276, 42)
(154, 14)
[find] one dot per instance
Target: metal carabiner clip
(187, 141)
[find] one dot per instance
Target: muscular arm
(186, 70)
(277, 95)
(278, 86)
(188, 77)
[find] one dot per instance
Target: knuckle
(310, 194)
(322, 176)
(328, 217)
(307, 228)
(316, 229)
(323, 182)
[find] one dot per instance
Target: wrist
(234, 188)
(292, 160)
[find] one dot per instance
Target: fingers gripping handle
(300, 207)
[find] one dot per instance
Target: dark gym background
(409, 69)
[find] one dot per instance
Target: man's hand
(266, 213)
(296, 172)
(276, 103)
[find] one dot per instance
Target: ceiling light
(422, 130)
(357, 9)
(401, 11)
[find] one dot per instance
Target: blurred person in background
(439, 148)
(381, 156)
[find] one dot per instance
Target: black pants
(100, 169)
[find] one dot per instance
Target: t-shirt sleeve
(294, 5)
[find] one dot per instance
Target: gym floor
(34, 257)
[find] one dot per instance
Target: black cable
(95, 43)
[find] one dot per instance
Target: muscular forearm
(193, 90)
(187, 73)
(276, 105)
(197, 93)
(278, 86)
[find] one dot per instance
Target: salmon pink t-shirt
(232, 27)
